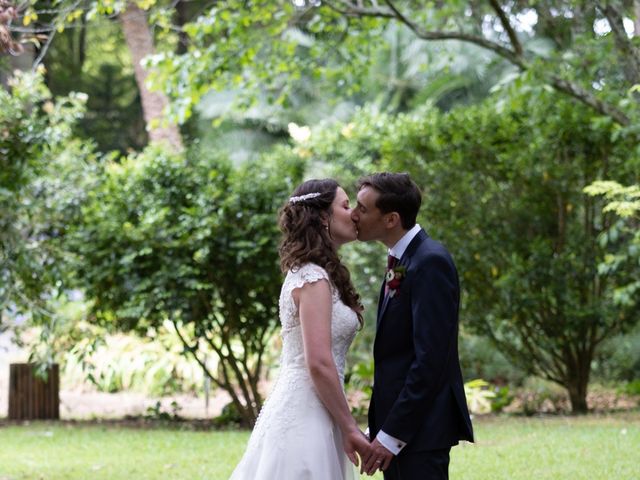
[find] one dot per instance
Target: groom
(418, 409)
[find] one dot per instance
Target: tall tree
(140, 42)
(139, 39)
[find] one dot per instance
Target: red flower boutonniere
(394, 279)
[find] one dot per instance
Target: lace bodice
(344, 321)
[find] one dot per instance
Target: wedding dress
(295, 437)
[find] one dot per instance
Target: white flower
(299, 133)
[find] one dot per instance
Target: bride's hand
(356, 442)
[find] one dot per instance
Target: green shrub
(479, 358)
(503, 398)
(154, 366)
(542, 396)
(157, 413)
(479, 396)
(631, 388)
(229, 417)
(619, 358)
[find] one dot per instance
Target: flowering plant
(394, 278)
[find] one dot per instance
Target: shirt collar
(399, 248)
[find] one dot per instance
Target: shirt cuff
(390, 443)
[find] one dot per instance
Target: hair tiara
(302, 198)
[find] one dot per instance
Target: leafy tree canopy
(504, 191)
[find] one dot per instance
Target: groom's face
(367, 217)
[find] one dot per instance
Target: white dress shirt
(392, 444)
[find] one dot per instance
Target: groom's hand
(379, 458)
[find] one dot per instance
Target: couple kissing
(418, 409)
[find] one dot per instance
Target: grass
(591, 447)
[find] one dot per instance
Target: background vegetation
(145, 148)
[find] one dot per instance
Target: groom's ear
(392, 220)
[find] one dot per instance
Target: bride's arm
(314, 305)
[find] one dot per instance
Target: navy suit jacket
(418, 393)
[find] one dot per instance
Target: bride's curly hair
(306, 239)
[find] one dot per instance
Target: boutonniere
(394, 279)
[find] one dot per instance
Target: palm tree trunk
(140, 42)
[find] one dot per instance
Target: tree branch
(560, 84)
(231, 361)
(354, 10)
(192, 349)
(394, 13)
(43, 51)
(504, 20)
(630, 55)
(588, 98)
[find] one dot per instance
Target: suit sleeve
(434, 310)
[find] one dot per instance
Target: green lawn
(593, 447)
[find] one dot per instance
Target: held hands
(378, 458)
(356, 442)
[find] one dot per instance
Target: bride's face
(341, 227)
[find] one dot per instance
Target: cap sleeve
(297, 278)
(307, 273)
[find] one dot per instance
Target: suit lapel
(405, 261)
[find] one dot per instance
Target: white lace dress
(295, 437)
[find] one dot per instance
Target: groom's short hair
(398, 193)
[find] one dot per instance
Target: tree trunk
(140, 42)
(577, 384)
(636, 19)
(578, 398)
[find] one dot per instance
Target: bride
(305, 430)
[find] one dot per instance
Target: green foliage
(269, 52)
(479, 396)
(632, 388)
(503, 398)
(622, 238)
(155, 366)
(483, 397)
(36, 138)
(479, 358)
(540, 396)
(192, 241)
(279, 63)
(359, 379)
(157, 413)
(94, 59)
(546, 274)
(226, 41)
(230, 417)
(618, 359)
(503, 190)
(528, 252)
